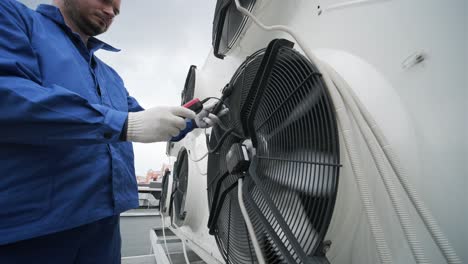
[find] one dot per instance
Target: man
(66, 123)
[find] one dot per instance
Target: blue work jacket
(62, 111)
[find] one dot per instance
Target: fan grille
(228, 24)
(189, 87)
(279, 101)
(164, 192)
(180, 187)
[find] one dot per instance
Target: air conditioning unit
(312, 186)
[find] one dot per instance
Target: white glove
(206, 119)
(157, 124)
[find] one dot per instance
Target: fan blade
(305, 173)
(291, 207)
(275, 213)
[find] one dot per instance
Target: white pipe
(248, 223)
(424, 213)
(379, 160)
(164, 237)
(185, 252)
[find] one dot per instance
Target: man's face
(92, 17)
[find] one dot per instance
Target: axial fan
(179, 183)
(281, 136)
(164, 192)
(189, 87)
(228, 24)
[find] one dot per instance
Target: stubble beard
(83, 22)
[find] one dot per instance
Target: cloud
(159, 41)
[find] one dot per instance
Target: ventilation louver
(189, 87)
(179, 183)
(281, 111)
(228, 24)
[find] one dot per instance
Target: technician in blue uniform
(66, 127)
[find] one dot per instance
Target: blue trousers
(98, 242)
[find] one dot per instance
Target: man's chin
(95, 31)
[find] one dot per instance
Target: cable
(164, 236)
(216, 148)
(218, 122)
(196, 160)
(221, 140)
(216, 98)
(185, 252)
(429, 221)
(199, 159)
(248, 223)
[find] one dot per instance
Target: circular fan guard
(179, 184)
(164, 192)
(280, 104)
(189, 87)
(228, 24)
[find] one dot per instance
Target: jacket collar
(53, 13)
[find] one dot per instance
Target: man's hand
(206, 119)
(157, 124)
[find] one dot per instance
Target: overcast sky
(159, 41)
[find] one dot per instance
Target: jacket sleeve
(33, 114)
(133, 105)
